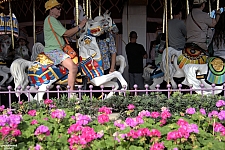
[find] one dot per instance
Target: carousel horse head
(5, 42)
(112, 26)
(22, 52)
(160, 42)
(153, 75)
(94, 28)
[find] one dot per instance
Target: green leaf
(132, 147)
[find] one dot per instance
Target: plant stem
(213, 125)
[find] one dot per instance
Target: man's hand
(83, 22)
(111, 71)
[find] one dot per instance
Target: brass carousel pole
(163, 24)
(217, 4)
(34, 22)
(87, 9)
(171, 9)
(84, 8)
(77, 17)
(187, 9)
(90, 16)
(167, 60)
(210, 7)
(11, 23)
(100, 7)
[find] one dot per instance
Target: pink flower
(202, 111)
(21, 102)
(33, 122)
(58, 113)
(16, 132)
(139, 120)
(103, 118)
(218, 127)
(213, 113)
(131, 122)
(165, 114)
(48, 101)
(105, 110)
(120, 124)
(2, 108)
(100, 134)
(221, 115)
(155, 114)
(220, 103)
(74, 128)
(32, 112)
(5, 130)
(182, 122)
(157, 146)
(83, 119)
(73, 117)
(130, 106)
(144, 113)
(162, 122)
(37, 147)
(190, 111)
(155, 132)
(42, 130)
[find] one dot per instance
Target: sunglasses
(57, 7)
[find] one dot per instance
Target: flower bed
(53, 128)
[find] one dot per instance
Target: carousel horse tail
(18, 71)
(37, 49)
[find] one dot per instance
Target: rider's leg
(69, 64)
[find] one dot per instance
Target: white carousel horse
(178, 59)
(22, 52)
(88, 50)
(206, 74)
(5, 43)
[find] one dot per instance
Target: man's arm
(113, 62)
(214, 21)
(76, 29)
(145, 56)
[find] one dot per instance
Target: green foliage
(177, 104)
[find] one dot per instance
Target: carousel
(27, 24)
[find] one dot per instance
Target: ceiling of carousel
(23, 9)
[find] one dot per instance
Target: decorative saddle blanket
(216, 71)
(192, 54)
(43, 70)
(91, 68)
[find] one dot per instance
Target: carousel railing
(90, 92)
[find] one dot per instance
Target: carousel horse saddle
(43, 70)
(192, 54)
(216, 71)
(157, 73)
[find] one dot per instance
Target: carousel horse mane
(5, 42)
(36, 49)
